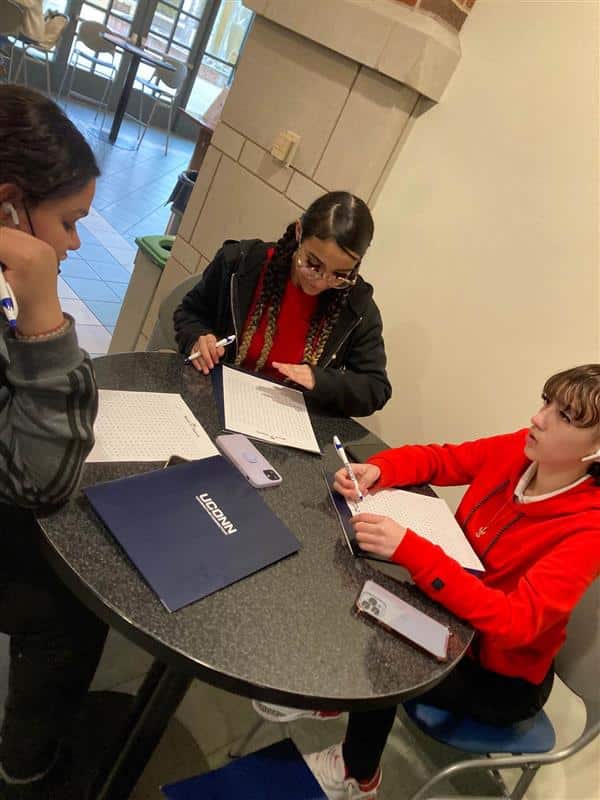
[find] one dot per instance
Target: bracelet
(42, 337)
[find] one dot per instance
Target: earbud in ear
(594, 457)
(8, 208)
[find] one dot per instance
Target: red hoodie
(539, 557)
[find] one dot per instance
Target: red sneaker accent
(367, 786)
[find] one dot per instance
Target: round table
(287, 634)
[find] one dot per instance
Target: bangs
(577, 391)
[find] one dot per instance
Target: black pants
(469, 689)
(55, 646)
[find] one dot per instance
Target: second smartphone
(250, 461)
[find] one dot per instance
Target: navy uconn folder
(193, 528)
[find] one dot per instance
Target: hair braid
(269, 299)
(323, 322)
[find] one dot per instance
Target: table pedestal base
(135, 741)
(123, 142)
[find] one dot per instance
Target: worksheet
(147, 426)
(430, 517)
(266, 411)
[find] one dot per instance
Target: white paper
(267, 411)
(147, 426)
(430, 517)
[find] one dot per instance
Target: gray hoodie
(48, 404)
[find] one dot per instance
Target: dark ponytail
(41, 151)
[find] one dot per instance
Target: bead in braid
(269, 300)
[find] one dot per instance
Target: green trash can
(152, 255)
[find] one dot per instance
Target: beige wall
(485, 261)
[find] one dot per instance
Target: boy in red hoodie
(532, 514)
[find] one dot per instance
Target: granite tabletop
(286, 634)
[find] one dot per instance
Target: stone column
(347, 77)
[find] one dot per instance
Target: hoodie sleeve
(440, 465)
(48, 404)
(543, 595)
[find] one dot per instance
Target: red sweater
(539, 557)
(293, 324)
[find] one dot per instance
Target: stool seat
(276, 773)
(534, 735)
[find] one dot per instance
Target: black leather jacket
(350, 378)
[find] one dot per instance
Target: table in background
(137, 54)
(287, 634)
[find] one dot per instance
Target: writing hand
(377, 534)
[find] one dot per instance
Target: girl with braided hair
(298, 307)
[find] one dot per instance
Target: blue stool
(534, 735)
(276, 773)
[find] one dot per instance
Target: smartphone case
(250, 461)
(400, 617)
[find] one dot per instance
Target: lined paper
(147, 426)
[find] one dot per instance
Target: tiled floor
(130, 201)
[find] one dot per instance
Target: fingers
(301, 374)
(209, 353)
(366, 518)
(366, 474)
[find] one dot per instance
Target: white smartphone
(400, 617)
(250, 462)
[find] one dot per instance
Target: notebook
(430, 517)
(192, 529)
(263, 409)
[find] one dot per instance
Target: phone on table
(250, 461)
(400, 617)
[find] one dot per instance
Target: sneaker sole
(292, 716)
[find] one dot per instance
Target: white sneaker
(275, 713)
(329, 769)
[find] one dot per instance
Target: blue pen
(6, 301)
(221, 343)
(349, 471)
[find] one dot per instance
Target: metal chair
(11, 20)
(39, 52)
(527, 743)
(89, 45)
(161, 97)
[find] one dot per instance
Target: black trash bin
(179, 198)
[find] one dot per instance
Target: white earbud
(8, 208)
(594, 457)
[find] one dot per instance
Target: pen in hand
(7, 301)
(221, 343)
(349, 471)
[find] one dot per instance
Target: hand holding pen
(348, 467)
(8, 301)
(365, 474)
(205, 354)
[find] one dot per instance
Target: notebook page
(430, 517)
(267, 411)
(147, 426)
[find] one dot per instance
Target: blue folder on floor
(276, 773)
(192, 529)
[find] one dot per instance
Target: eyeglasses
(317, 272)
